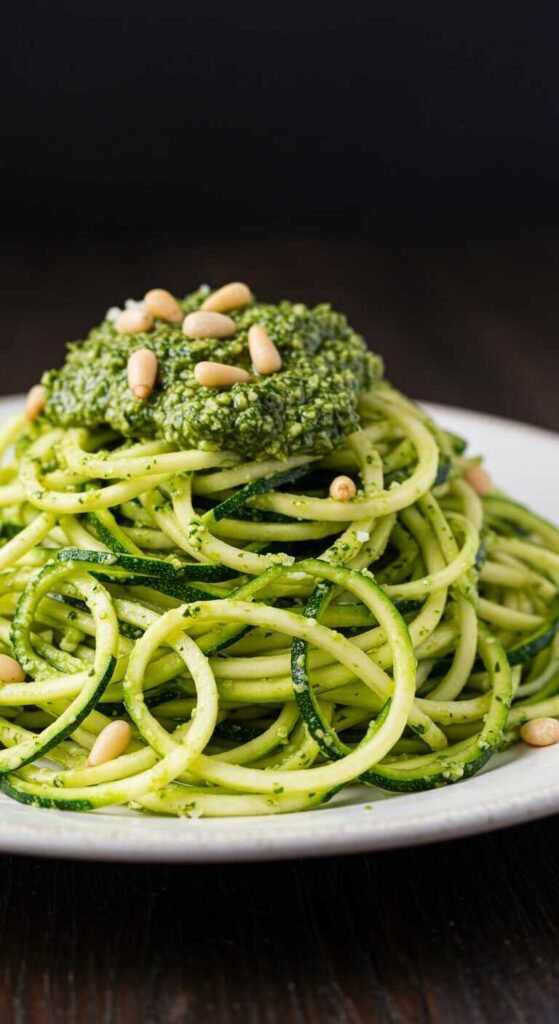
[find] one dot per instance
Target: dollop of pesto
(310, 405)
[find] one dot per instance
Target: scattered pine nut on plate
(342, 488)
(10, 670)
(35, 402)
(111, 742)
(479, 479)
(540, 732)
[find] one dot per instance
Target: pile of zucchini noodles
(268, 644)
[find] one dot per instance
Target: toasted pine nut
(219, 375)
(35, 402)
(208, 325)
(342, 488)
(133, 321)
(142, 372)
(540, 732)
(479, 479)
(10, 670)
(231, 296)
(264, 354)
(110, 743)
(161, 304)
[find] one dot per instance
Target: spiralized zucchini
(268, 645)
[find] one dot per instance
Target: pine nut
(342, 488)
(219, 375)
(35, 402)
(162, 305)
(133, 321)
(142, 372)
(110, 743)
(208, 325)
(10, 670)
(264, 354)
(479, 479)
(540, 732)
(231, 296)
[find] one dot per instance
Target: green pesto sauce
(310, 405)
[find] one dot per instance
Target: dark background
(401, 160)
(386, 117)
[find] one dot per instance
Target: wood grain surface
(458, 933)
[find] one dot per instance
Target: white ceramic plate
(518, 786)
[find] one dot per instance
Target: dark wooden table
(459, 933)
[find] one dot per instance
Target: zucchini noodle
(268, 644)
